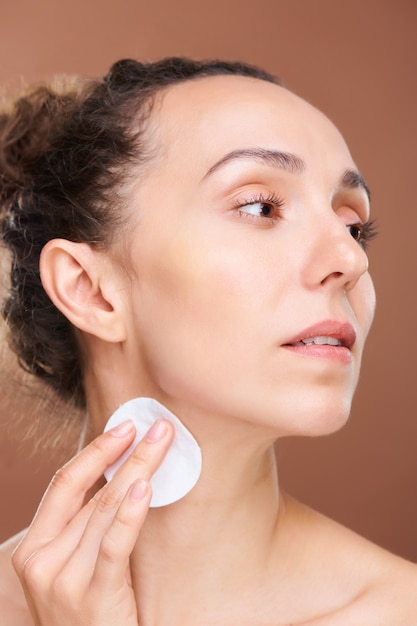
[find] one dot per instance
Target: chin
(320, 418)
(325, 425)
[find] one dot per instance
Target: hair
(65, 160)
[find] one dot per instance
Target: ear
(81, 282)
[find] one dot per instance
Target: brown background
(356, 61)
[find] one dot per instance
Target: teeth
(320, 341)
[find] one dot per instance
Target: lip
(343, 331)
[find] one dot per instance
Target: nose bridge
(335, 256)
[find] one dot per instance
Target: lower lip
(333, 353)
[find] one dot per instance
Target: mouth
(318, 341)
(330, 339)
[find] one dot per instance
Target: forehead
(199, 121)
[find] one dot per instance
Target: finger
(46, 561)
(119, 540)
(108, 576)
(66, 492)
(147, 457)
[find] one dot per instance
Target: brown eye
(356, 230)
(259, 209)
(265, 209)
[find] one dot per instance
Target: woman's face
(242, 245)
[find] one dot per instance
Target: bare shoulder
(377, 587)
(392, 601)
(394, 595)
(391, 594)
(14, 611)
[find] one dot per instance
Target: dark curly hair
(65, 159)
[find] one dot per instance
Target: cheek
(199, 310)
(184, 320)
(207, 281)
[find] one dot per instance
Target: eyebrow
(289, 162)
(284, 160)
(353, 180)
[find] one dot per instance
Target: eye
(363, 233)
(260, 208)
(356, 231)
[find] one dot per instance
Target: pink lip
(343, 331)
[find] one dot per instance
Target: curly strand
(65, 161)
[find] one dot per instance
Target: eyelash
(273, 200)
(366, 231)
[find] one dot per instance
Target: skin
(195, 306)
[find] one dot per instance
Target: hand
(73, 562)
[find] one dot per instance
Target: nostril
(330, 276)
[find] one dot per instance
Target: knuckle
(108, 499)
(19, 556)
(109, 550)
(68, 475)
(62, 478)
(139, 458)
(124, 523)
(34, 571)
(98, 447)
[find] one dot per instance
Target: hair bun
(124, 74)
(68, 156)
(25, 133)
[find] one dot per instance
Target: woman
(201, 236)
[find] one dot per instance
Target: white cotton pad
(181, 467)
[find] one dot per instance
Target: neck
(216, 545)
(219, 538)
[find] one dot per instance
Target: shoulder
(388, 602)
(388, 599)
(371, 585)
(14, 611)
(394, 595)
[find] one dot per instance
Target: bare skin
(373, 587)
(218, 287)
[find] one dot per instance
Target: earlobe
(75, 278)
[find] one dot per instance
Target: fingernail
(156, 431)
(121, 430)
(138, 490)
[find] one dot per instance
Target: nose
(336, 259)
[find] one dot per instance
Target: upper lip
(343, 331)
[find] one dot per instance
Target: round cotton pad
(181, 467)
